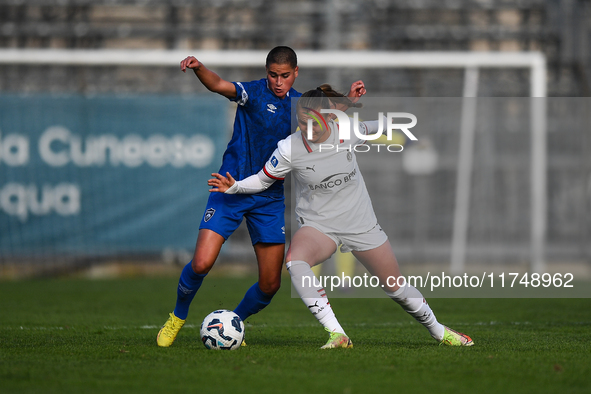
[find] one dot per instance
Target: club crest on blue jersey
(208, 214)
(274, 161)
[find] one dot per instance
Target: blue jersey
(262, 120)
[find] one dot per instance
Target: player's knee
(201, 266)
(271, 287)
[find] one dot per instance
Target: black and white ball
(222, 329)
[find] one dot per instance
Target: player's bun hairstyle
(338, 98)
(314, 99)
(282, 55)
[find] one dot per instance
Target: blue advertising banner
(106, 175)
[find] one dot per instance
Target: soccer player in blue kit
(263, 118)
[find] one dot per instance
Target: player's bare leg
(382, 263)
(270, 262)
(207, 250)
(310, 245)
(259, 295)
(308, 248)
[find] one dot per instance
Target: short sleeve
(241, 94)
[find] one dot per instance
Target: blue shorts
(264, 216)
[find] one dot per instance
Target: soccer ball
(222, 329)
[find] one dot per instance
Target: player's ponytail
(337, 97)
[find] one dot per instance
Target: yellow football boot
(169, 330)
(454, 338)
(336, 340)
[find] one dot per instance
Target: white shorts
(359, 242)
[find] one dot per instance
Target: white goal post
(535, 62)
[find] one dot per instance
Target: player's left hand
(357, 90)
(220, 183)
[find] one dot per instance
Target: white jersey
(329, 188)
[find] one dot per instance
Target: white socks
(312, 294)
(413, 302)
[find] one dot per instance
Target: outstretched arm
(253, 184)
(275, 169)
(208, 78)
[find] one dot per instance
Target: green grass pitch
(99, 336)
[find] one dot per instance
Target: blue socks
(189, 283)
(254, 301)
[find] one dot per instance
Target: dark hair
(282, 55)
(338, 98)
(314, 99)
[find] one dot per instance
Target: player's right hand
(190, 62)
(220, 183)
(357, 90)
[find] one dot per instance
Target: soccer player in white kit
(333, 208)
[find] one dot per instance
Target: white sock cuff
(408, 297)
(297, 265)
(304, 280)
(398, 294)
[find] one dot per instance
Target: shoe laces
(169, 329)
(334, 335)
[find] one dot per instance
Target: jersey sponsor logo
(331, 176)
(271, 108)
(329, 182)
(208, 214)
(311, 168)
(274, 161)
